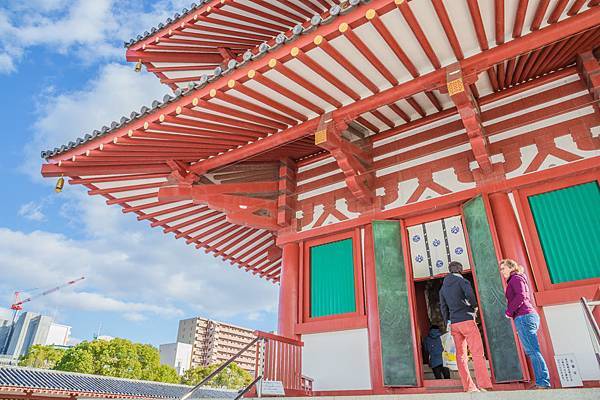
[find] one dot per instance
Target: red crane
(18, 306)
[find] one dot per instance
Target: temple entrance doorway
(434, 241)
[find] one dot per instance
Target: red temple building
(348, 150)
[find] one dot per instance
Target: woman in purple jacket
(527, 321)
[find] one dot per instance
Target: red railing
(280, 359)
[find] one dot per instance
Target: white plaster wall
(569, 335)
(337, 360)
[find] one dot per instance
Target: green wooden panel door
(568, 225)
(498, 329)
(332, 289)
(395, 319)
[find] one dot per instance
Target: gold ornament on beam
(138, 66)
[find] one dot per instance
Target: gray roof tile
(30, 378)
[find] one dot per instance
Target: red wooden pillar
(512, 246)
(288, 290)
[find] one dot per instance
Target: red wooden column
(288, 291)
(512, 246)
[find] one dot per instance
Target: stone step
(549, 394)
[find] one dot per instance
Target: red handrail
(282, 361)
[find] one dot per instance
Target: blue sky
(62, 74)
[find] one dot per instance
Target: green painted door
(500, 337)
(568, 225)
(332, 288)
(395, 317)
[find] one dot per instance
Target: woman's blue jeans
(527, 326)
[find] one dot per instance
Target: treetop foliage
(120, 358)
(232, 377)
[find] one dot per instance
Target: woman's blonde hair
(512, 265)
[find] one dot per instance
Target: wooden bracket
(180, 174)
(468, 109)
(226, 53)
(241, 202)
(589, 69)
(354, 161)
(286, 201)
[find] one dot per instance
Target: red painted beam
(347, 31)
(540, 11)
(174, 57)
(416, 29)
(338, 57)
(392, 43)
(558, 10)
(499, 25)
(442, 14)
(519, 18)
(55, 170)
(293, 76)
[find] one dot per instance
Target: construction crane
(17, 306)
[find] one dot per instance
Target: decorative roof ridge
(218, 73)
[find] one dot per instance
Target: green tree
(119, 358)
(39, 356)
(232, 377)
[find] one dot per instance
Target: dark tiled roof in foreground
(233, 64)
(94, 385)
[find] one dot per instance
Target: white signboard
(568, 371)
(271, 388)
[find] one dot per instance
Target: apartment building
(214, 342)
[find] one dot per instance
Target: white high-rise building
(215, 342)
(30, 329)
(177, 355)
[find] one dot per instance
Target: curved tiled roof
(176, 16)
(69, 382)
(219, 72)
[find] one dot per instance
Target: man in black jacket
(458, 305)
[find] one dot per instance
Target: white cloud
(6, 63)
(91, 30)
(32, 211)
(131, 269)
(116, 91)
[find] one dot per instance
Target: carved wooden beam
(459, 90)
(354, 161)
